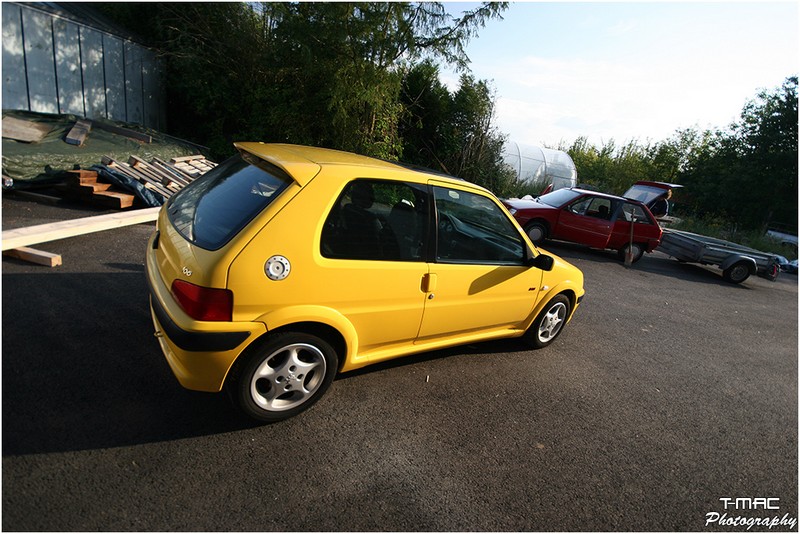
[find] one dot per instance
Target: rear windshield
(216, 206)
(644, 193)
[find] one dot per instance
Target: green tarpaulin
(32, 163)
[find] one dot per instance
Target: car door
(373, 245)
(586, 220)
(645, 228)
(478, 281)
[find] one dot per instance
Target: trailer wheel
(737, 273)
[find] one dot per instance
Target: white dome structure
(537, 165)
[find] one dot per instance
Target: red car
(590, 218)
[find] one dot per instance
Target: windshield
(215, 207)
(558, 198)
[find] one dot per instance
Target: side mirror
(543, 262)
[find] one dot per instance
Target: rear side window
(377, 220)
(216, 206)
(633, 211)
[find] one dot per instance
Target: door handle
(428, 283)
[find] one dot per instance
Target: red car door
(586, 220)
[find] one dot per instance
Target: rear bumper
(200, 353)
(195, 341)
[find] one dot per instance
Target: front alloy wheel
(549, 323)
(285, 376)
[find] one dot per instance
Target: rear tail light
(203, 303)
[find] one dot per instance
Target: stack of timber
(193, 165)
(90, 188)
(158, 176)
(164, 178)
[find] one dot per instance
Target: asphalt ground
(669, 391)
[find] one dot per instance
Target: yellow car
(287, 264)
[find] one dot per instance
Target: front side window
(473, 229)
(215, 207)
(377, 220)
(598, 207)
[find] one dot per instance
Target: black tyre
(737, 273)
(537, 232)
(549, 324)
(285, 375)
(636, 248)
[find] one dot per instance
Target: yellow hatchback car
(287, 264)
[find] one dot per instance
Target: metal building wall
(55, 65)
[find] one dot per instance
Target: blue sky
(629, 70)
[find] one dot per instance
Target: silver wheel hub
(288, 377)
(552, 322)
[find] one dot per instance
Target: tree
(453, 132)
(321, 73)
(748, 173)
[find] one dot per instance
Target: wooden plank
(82, 177)
(147, 181)
(125, 132)
(25, 131)
(181, 159)
(114, 199)
(42, 233)
(129, 171)
(176, 178)
(32, 255)
(199, 165)
(188, 169)
(142, 166)
(83, 173)
(175, 170)
(94, 188)
(77, 135)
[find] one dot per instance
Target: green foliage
(363, 77)
(745, 174)
(453, 132)
(749, 172)
(317, 73)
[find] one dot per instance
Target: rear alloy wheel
(549, 323)
(285, 376)
(636, 249)
(537, 232)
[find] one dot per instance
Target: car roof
(603, 195)
(660, 185)
(304, 162)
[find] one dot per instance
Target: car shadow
(82, 370)
(497, 346)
